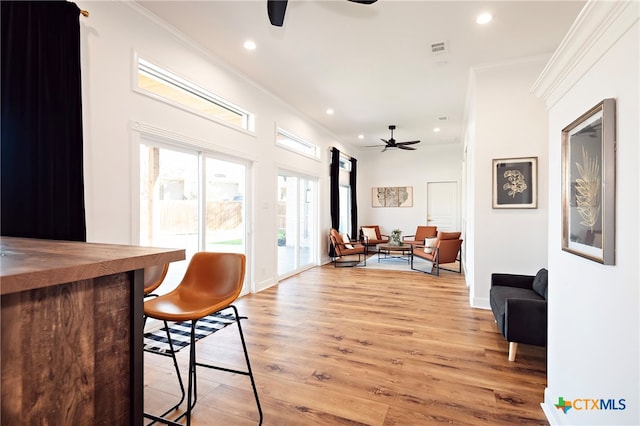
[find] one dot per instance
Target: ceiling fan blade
(364, 1)
(406, 147)
(385, 141)
(372, 146)
(408, 143)
(276, 10)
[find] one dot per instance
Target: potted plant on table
(396, 237)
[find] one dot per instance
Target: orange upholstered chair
(344, 252)
(371, 236)
(211, 283)
(422, 232)
(447, 249)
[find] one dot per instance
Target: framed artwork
(515, 183)
(392, 196)
(588, 184)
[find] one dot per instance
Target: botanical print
(588, 190)
(585, 226)
(516, 182)
(588, 184)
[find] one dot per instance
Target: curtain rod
(341, 152)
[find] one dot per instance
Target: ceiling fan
(277, 8)
(391, 143)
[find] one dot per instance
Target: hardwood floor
(357, 346)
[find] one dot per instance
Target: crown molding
(598, 26)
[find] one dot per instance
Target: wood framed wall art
(392, 196)
(588, 184)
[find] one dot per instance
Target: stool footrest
(228, 370)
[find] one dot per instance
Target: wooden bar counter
(72, 331)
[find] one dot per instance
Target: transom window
(296, 144)
(177, 91)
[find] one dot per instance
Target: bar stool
(212, 282)
(153, 277)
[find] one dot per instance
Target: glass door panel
(296, 223)
(307, 223)
(225, 207)
(169, 203)
(192, 201)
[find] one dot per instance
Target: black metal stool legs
(192, 393)
(172, 354)
(246, 357)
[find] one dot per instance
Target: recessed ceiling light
(360, 136)
(330, 111)
(436, 129)
(484, 18)
(250, 45)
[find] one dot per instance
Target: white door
(443, 210)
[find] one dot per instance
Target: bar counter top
(71, 318)
(27, 264)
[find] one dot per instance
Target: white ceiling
(372, 63)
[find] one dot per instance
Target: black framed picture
(515, 183)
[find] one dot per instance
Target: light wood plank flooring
(358, 346)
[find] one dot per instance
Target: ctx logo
(590, 404)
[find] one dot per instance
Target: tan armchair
(370, 235)
(422, 232)
(344, 252)
(447, 249)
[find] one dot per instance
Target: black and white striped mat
(156, 341)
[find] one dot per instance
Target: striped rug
(156, 341)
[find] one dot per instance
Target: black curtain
(42, 189)
(334, 189)
(354, 200)
(334, 173)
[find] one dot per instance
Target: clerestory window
(289, 141)
(173, 89)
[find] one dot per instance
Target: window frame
(177, 82)
(297, 140)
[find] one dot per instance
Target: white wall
(112, 110)
(594, 322)
(504, 121)
(428, 163)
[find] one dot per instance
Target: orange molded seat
(153, 277)
(212, 282)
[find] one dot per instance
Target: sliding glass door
(192, 200)
(297, 223)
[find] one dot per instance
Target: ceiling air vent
(439, 48)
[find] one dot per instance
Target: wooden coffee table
(390, 251)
